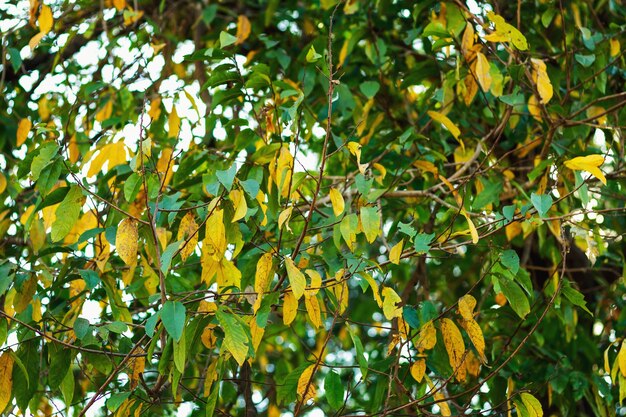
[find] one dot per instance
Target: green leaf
(370, 221)
(312, 56)
(585, 60)
(510, 259)
(173, 315)
(117, 327)
(227, 177)
(212, 401)
(422, 241)
(47, 151)
(575, 297)
(168, 254)
(81, 327)
(67, 213)
(334, 390)
(235, 340)
(67, 387)
(226, 39)
(60, 361)
(114, 402)
(516, 297)
(541, 202)
(369, 88)
(180, 354)
(360, 352)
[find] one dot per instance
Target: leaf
(621, 358)
(369, 88)
(235, 340)
(510, 259)
(67, 213)
(283, 218)
(533, 406)
(452, 128)
(370, 221)
(226, 39)
(296, 278)
(313, 310)
(6, 378)
(396, 252)
(589, 163)
(337, 201)
(506, 33)
(173, 316)
(290, 308)
(542, 203)
(421, 242)
(575, 297)
(348, 228)
(390, 300)
(418, 369)
(173, 124)
(306, 387)
(334, 390)
(45, 19)
(126, 241)
(239, 202)
(483, 71)
(168, 254)
(472, 228)
(515, 296)
(263, 273)
(312, 55)
(137, 366)
(453, 340)
(243, 29)
(540, 77)
(615, 47)
(23, 129)
(188, 232)
(475, 334)
(427, 338)
(467, 303)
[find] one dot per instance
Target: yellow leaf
(533, 108)
(3, 183)
(137, 365)
(453, 340)
(208, 337)
(23, 128)
(296, 278)
(45, 19)
(239, 202)
(155, 109)
(6, 378)
(470, 88)
(427, 338)
(126, 240)
(443, 405)
(418, 369)
(533, 406)
(452, 128)
(467, 42)
(467, 303)
(355, 149)
(114, 153)
(598, 114)
(34, 41)
(283, 218)
(390, 301)
(426, 166)
(119, 4)
(316, 282)
(374, 285)
(131, 16)
(243, 29)
(281, 172)
(341, 292)
(337, 201)
(621, 358)
(506, 33)
(306, 388)
(188, 227)
(105, 112)
(263, 275)
(615, 47)
(396, 252)
(472, 228)
(475, 334)
(257, 333)
(482, 71)
(589, 163)
(540, 77)
(313, 310)
(290, 308)
(173, 123)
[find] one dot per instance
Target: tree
(264, 207)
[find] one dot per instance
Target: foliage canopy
(264, 207)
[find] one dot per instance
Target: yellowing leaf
(355, 149)
(418, 369)
(337, 201)
(475, 334)
(621, 358)
(467, 42)
(290, 308)
(427, 338)
(257, 333)
(396, 252)
(137, 365)
(467, 303)
(452, 128)
(188, 227)
(313, 310)
(173, 123)
(126, 240)
(243, 29)
(426, 166)
(3, 183)
(155, 109)
(483, 71)
(533, 406)
(390, 301)
(119, 4)
(113, 153)
(208, 337)
(598, 114)
(469, 88)
(6, 378)
(239, 201)
(589, 163)
(23, 128)
(316, 282)
(45, 19)
(540, 77)
(615, 47)
(283, 218)
(374, 285)
(296, 278)
(506, 33)
(533, 108)
(453, 340)
(34, 41)
(472, 228)
(306, 388)
(105, 112)
(263, 275)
